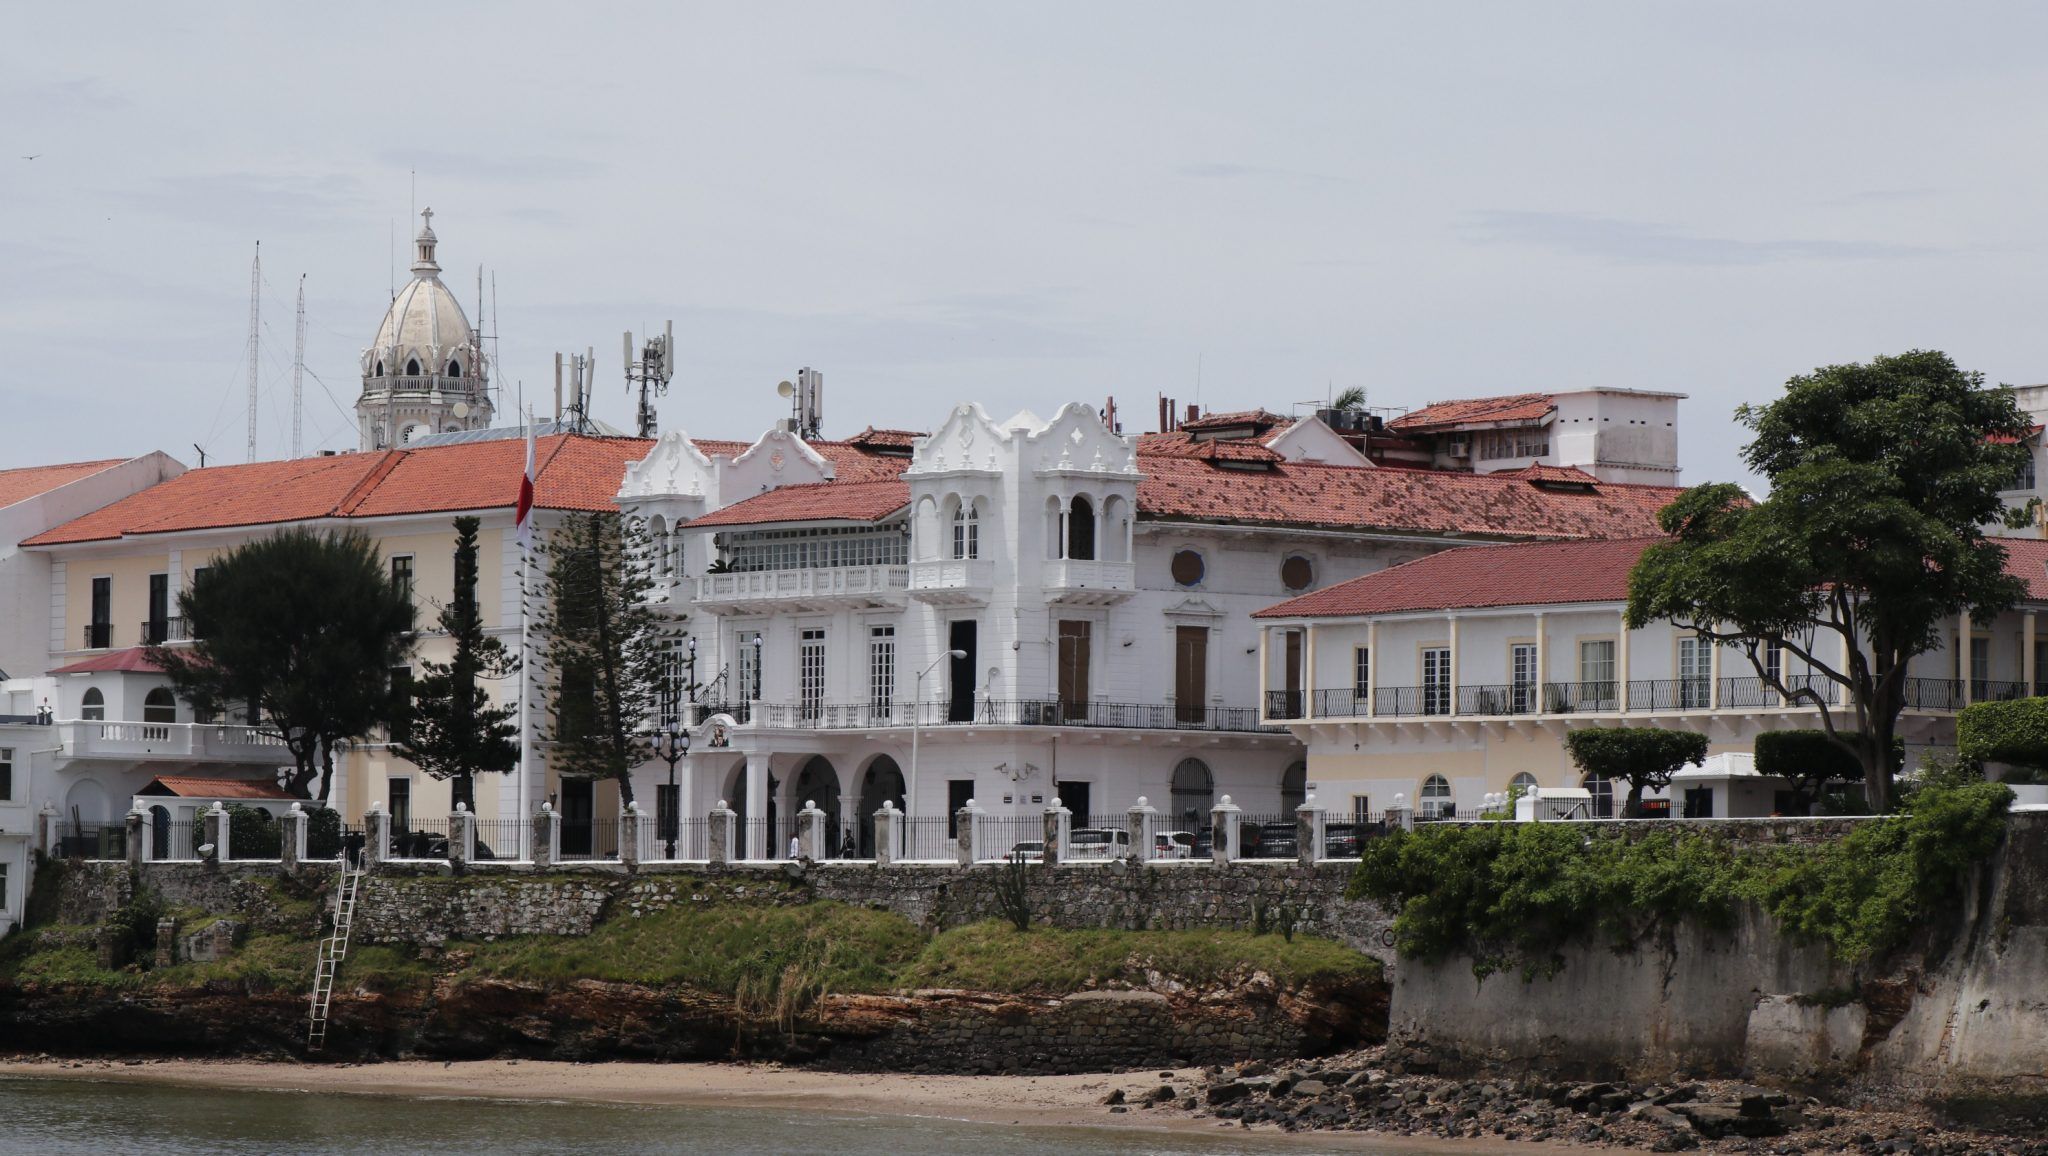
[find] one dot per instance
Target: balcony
(138, 742)
(953, 581)
(841, 588)
(1643, 697)
(157, 631)
(1008, 713)
(1087, 582)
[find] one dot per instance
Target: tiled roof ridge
(368, 483)
(102, 463)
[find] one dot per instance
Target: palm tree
(1352, 398)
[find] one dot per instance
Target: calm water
(65, 1117)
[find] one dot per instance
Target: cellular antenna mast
(806, 397)
(255, 321)
(651, 372)
(299, 372)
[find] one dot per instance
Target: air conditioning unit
(1459, 449)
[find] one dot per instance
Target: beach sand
(1064, 1101)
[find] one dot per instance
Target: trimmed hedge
(2013, 732)
(1808, 755)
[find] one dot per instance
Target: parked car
(1031, 851)
(1267, 841)
(1341, 840)
(1098, 843)
(1173, 845)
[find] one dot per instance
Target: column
(888, 833)
(753, 842)
(1372, 668)
(1621, 662)
(1542, 664)
(1964, 659)
(138, 826)
(718, 835)
(2027, 671)
(1453, 704)
(291, 847)
(1308, 672)
(377, 832)
(547, 838)
(1713, 673)
(1265, 635)
(1058, 823)
(1223, 831)
(810, 832)
(217, 834)
(630, 831)
(1138, 825)
(1308, 831)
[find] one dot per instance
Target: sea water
(110, 1118)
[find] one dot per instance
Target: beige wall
(130, 573)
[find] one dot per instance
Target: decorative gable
(966, 440)
(779, 458)
(674, 468)
(1076, 442)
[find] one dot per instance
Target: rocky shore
(1396, 1090)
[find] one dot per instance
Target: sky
(1016, 204)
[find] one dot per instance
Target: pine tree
(607, 650)
(452, 731)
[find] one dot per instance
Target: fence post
(547, 838)
(718, 834)
(1058, 823)
(810, 832)
(46, 830)
(888, 822)
(291, 837)
(217, 833)
(965, 822)
(136, 826)
(461, 836)
(1138, 825)
(1223, 831)
(1308, 832)
(1399, 815)
(376, 835)
(629, 836)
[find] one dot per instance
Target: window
(1602, 791)
(1522, 670)
(1187, 568)
(749, 683)
(811, 672)
(1434, 800)
(3, 887)
(157, 629)
(1774, 673)
(672, 672)
(1980, 667)
(1361, 808)
(99, 631)
(160, 706)
(1436, 680)
(93, 707)
(1361, 673)
(401, 574)
(1699, 802)
(881, 668)
(1596, 673)
(1081, 529)
(401, 703)
(412, 367)
(2024, 480)
(1695, 661)
(1522, 783)
(6, 778)
(1495, 445)
(966, 532)
(816, 549)
(1297, 572)
(454, 368)
(401, 804)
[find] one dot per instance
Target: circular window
(1297, 572)
(1187, 567)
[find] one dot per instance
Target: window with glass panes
(6, 774)
(881, 668)
(749, 667)
(1436, 680)
(1361, 673)
(810, 671)
(401, 574)
(966, 532)
(1694, 663)
(1522, 665)
(821, 548)
(1596, 670)
(2040, 666)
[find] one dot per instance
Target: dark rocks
(1228, 1093)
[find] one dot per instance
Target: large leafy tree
(452, 731)
(1883, 477)
(607, 649)
(1643, 757)
(303, 626)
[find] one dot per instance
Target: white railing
(1089, 574)
(953, 574)
(761, 586)
(88, 739)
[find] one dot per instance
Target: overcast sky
(1016, 204)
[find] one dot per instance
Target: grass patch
(382, 968)
(68, 964)
(995, 956)
(260, 963)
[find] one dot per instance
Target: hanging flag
(522, 517)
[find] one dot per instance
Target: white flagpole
(525, 660)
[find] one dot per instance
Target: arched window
(966, 531)
(1116, 529)
(454, 368)
(1055, 529)
(1194, 791)
(380, 367)
(1603, 795)
(412, 367)
(1434, 800)
(657, 545)
(1081, 529)
(1293, 786)
(93, 707)
(158, 706)
(1523, 782)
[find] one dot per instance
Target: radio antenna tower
(255, 321)
(299, 371)
(652, 372)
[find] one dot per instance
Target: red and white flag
(522, 516)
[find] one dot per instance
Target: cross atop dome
(425, 265)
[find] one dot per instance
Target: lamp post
(672, 746)
(916, 715)
(690, 668)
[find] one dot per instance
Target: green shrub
(323, 833)
(1516, 895)
(2013, 732)
(252, 833)
(1643, 757)
(1809, 761)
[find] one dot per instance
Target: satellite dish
(784, 389)
(461, 409)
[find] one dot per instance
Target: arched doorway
(1081, 529)
(881, 782)
(817, 782)
(1194, 793)
(1293, 788)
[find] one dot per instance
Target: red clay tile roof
(816, 502)
(891, 438)
(1420, 501)
(194, 787)
(1568, 475)
(1179, 445)
(573, 473)
(129, 660)
(2027, 560)
(1995, 439)
(19, 485)
(1260, 418)
(1518, 407)
(1525, 574)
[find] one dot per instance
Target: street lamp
(917, 713)
(690, 666)
(672, 746)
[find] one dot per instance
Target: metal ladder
(333, 950)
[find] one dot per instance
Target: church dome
(425, 332)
